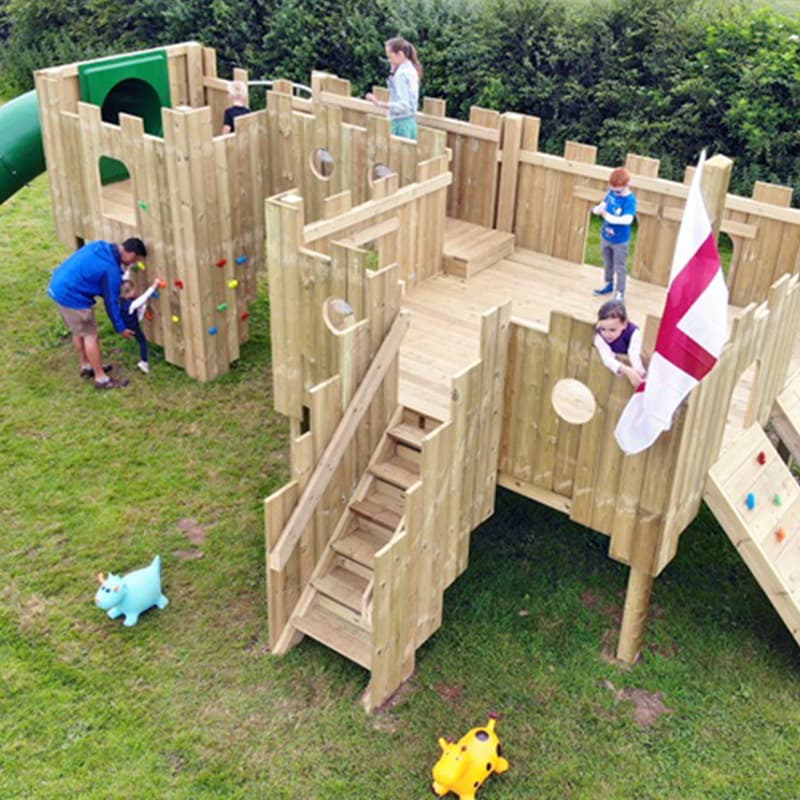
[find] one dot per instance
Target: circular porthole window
(573, 401)
(322, 163)
(380, 171)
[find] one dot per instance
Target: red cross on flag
(693, 329)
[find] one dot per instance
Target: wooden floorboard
(444, 337)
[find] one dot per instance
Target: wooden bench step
(376, 512)
(398, 471)
(323, 623)
(470, 248)
(361, 542)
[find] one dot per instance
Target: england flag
(693, 330)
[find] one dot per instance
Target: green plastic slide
(21, 151)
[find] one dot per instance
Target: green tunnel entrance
(136, 84)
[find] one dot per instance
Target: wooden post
(634, 615)
(716, 177)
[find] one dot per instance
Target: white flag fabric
(692, 332)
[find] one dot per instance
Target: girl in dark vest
(616, 336)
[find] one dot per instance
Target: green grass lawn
(189, 704)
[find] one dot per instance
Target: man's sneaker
(144, 367)
(111, 383)
(88, 372)
(607, 289)
(619, 296)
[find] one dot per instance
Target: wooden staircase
(336, 607)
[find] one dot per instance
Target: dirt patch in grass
(449, 692)
(195, 532)
(188, 555)
(648, 707)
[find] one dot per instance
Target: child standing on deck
(618, 210)
(237, 91)
(403, 85)
(133, 309)
(616, 335)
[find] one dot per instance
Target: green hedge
(663, 78)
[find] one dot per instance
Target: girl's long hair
(399, 45)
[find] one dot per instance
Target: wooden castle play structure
(431, 326)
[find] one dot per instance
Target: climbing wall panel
(757, 501)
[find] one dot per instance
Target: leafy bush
(663, 78)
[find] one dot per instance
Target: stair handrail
(318, 482)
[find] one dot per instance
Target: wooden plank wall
(642, 502)
(554, 198)
(302, 279)
(474, 145)
(766, 241)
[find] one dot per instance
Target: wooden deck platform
(469, 249)
(446, 317)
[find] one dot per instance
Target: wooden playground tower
(432, 325)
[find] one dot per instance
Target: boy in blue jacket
(94, 270)
(618, 210)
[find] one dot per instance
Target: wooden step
(345, 584)
(408, 434)
(470, 248)
(398, 471)
(376, 512)
(361, 542)
(323, 623)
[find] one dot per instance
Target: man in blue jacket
(94, 270)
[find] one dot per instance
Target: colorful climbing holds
(162, 284)
(176, 318)
(222, 306)
(148, 315)
(143, 205)
(244, 315)
(178, 284)
(777, 500)
(140, 265)
(780, 534)
(762, 458)
(155, 295)
(233, 284)
(241, 260)
(213, 330)
(221, 262)
(750, 501)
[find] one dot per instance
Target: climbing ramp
(757, 501)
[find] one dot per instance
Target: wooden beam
(351, 419)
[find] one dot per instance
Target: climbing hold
(155, 295)
(141, 265)
(241, 260)
(762, 458)
(162, 284)
(233, 284)
(778, 500)
(148, 314)
(179, 284)
(176, 318)
(244, 315)
(213, 330)
(750, 501)
(780, 534)
(222, 262)
(143, 205)
(222, 306)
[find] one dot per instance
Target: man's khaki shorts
(80, 321)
